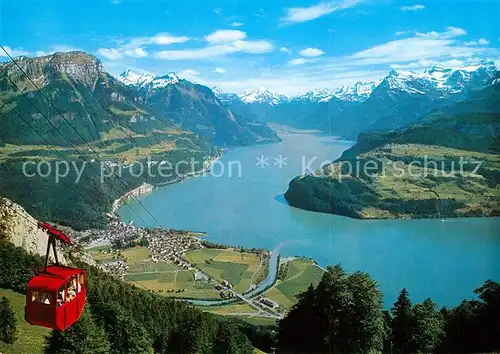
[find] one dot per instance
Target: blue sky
(285, 46)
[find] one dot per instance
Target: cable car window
(60, 296)
(71, 289)
(41, 298)
(81, 283)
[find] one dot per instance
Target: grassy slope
(400, 190)
(30, 339)
(300, 274)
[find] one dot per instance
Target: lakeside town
(170, 246)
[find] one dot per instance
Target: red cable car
(56, 296)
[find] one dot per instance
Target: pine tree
(366, 329)
(343, 314)
(84, 337)
(8, 322)
(402, 324)
(429, 327)
(124, 331)
(303, 321)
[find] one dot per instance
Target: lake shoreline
(406, 217)
(147, 188)
(244, 211)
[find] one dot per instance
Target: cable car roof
(56, 233)
(53, 278)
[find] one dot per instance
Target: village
(164, 246)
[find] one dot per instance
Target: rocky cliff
(19, 227)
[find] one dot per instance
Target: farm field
(165, 277)
(100, 253)
(229, 309)
(301, 273)
(239, 269)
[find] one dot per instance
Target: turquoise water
(441, 259)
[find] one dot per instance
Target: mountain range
(97, 103)
(401, 98)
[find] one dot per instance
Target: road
(249, 301)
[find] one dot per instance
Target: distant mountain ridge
(196, 108)
(97, 103)
(401, 98)
(355, 93)
(444, 80)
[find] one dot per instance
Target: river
(241, 203)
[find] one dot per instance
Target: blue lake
(442, 259)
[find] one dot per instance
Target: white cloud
(110, 53)
(191, 75)
(166, 39)
(298, 61)
(412, 8)
(285, 50)
(303, 14)
(224, 36)
(56, 48)
(63, 48)
(134, 47)
(214, 51)
(261, 13)
(483, 41)
(220, 70)
(13, 52)
(301, 61)
(236, 24)
(195, 54)
(425, 64)
(451, 32)
(400, 33)
(253, 47)
(296, 81)
(158, 39)
(188, 72)
(311, 52)
(136, 53)
(217, 11)
(430, 45)
(480, 41)
(452, 63)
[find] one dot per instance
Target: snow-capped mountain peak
(165, 80)
(262, 95)
(217, 91)
(316, 95)
(358, 92)
(130, 78)
(441, 80)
